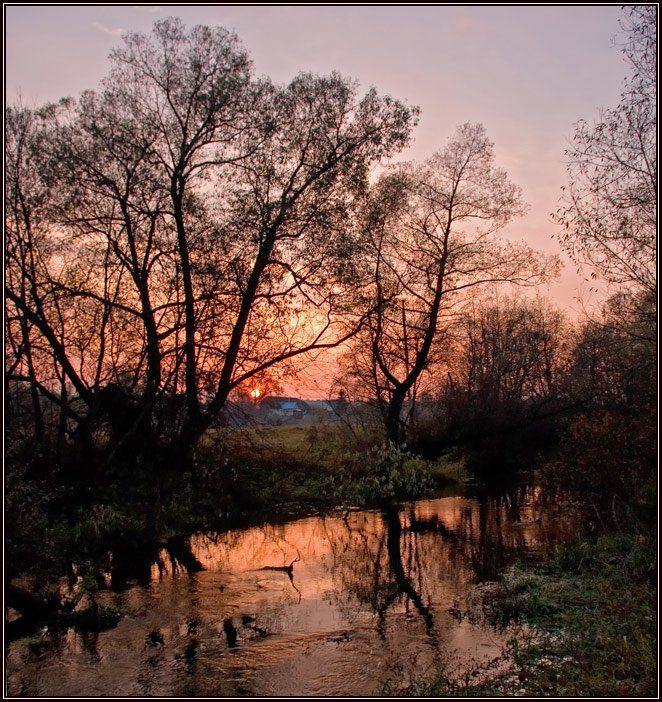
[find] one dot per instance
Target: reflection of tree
(378, 555)
(496, 529)
(358, 558)
(401, 584)
(139, 561)
(389, 574)
(375, 562)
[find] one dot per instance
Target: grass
(326, 445)
(450, 468)
(325, 465)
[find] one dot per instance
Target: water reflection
(320, 606)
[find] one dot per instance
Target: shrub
(390, 472)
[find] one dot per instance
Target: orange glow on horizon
(255, 393)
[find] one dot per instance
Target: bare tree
(292, 241)
(608, 211)
(23, 197)
(614, 361)
(430, 233)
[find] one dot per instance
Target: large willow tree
(181, 230)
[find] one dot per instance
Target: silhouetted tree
(510, 367)
(194, 230)
(430, 239)
(609, 208)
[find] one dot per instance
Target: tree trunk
(394, 429)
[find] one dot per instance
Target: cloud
(117, 32)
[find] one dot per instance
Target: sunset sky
(526, 73)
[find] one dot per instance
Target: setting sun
(255, 393)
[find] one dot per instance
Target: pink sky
(526, 73)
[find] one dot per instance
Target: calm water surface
(365, 603)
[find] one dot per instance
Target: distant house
(290, 408)
(278, 409)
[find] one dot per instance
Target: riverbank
(580, 621)
(584, 624)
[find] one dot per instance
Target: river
(352, 603)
